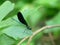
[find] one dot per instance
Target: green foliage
(37, 14)
(33, 15)
(5, 8)
(6, 40)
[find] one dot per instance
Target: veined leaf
(5, 8)
(6, 40)
(17, 32)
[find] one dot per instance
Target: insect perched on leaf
(22, 20)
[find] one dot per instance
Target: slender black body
(22, 20)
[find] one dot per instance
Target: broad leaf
(5, 8)
(6, 40)
(17, 32)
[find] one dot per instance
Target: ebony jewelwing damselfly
(22, 20)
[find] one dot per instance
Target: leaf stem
(39, 30)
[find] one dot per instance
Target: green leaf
(13, 28)
(18, 6)
(8, 22)
(5, 8)
(6, 40)
(17, 32)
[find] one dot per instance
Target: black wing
(21, 18)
